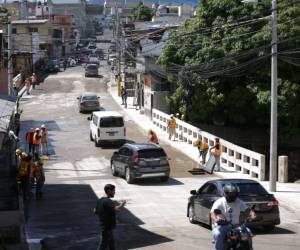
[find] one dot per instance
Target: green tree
(142, 12)
(226, 52)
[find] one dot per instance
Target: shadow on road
(64, 220)
(276, 230)
(158, 182)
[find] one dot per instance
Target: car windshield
(89, 98)
(111, 121)
(251, 189)
(92, 67)
(151, 153)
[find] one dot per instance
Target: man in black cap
(106, 210)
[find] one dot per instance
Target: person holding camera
(106, 210)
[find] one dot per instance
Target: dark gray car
(250, 191)
(138, 161)
(91, 70)
(88, 101)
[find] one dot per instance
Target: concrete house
(76, 8)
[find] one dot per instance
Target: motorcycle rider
(230, 207)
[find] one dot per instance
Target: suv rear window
(92, 67)
(151, 153)
(111, 121)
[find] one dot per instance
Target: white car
(107, 127)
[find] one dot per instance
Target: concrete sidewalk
(288, 194)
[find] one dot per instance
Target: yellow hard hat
(37, 129)
(43, 126)
(18, 151)
(41, 162)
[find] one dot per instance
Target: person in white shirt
(230, 207)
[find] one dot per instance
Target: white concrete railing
(233, 157)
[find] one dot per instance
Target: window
(95, 120)
(89, 98)
(151, 153)
(14, 30)
(209, 189)
(251, 189)
(125, 152)
(33, 29)
(111, 121)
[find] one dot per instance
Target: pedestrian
(65, 64)
(18, 156)
(33, 80)
(106, 210)
(43, 139)
(23, 175)
(30, 163)
(124, 96)
(17, 123)
(36, 144)
(39, 177)
(216, 151)
(153, 137)
(172, 127)
(203, 149)
(16, 87)
(29, 139)
(27, 85)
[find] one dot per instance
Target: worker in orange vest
(29, 139)
(23, 175)
(172, 127)
(43, 139)
(216, 151)
(153, 137)
(33, 80)
(27, 85)
(36, 143)
(203, 149)
(39, 177)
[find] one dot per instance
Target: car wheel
(91, 137)
(113, 169)
(191, 214)
(128, 176)
(164, 179)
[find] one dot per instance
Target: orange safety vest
(23, 167)
(43, 135)
(36, 139)
(154, 138)
(217, 152)
(172, 123)
(204, 146)
(38, 172)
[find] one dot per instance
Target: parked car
(88, 102)
(53, 65)
(107, 127)
(91, 70)
(140, 161)
(250, 191)
(99, 53)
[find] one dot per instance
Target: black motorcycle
(239, 237)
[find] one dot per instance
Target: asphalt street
(155, 213)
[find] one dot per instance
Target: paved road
(155, 215)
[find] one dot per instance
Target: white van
(107, 126)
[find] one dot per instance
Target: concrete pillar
(283, 172)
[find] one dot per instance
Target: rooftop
(30, 21)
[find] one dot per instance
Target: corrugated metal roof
(66, 1)
(6, 110)
(25, 21)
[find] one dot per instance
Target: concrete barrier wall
(233, 157)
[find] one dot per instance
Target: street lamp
(274, 75)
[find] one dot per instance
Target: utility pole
(119, 44)
(9, 56)
(273, 130)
